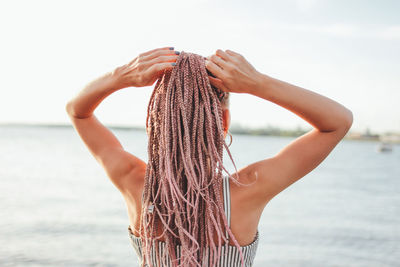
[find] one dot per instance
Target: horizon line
(127, 126)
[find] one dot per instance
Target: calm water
(58, 208)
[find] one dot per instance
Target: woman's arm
(321, 112)
(100, 141)
(331, 122)
(122, 167)
(86, 101)
(239, 76)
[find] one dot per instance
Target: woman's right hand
(233, 73)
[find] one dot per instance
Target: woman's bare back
(244, 218)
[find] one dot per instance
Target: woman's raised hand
(146, 68)
(233, 73)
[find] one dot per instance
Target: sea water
(58, 208)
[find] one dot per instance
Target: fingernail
(171, 48)
(177, 52)
(173, 64)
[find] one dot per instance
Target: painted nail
(173, 64)
(171, 48)
(177, 52)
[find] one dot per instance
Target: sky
(348, 51)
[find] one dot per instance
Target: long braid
(183, 178)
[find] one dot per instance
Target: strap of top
(227, 201)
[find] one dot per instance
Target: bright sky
(346, 50)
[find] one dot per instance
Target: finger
(168, 48)
(157, 68)
(214, 69)
(223, 55)
(232, 53)
(161, 59)
(158, 54)
(218, 83)
(220, 62)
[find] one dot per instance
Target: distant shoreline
(239, 130)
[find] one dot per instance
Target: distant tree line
(267, 130)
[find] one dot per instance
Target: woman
(180, 197)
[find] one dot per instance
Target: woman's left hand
(146, 68)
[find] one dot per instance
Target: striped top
(230, 255)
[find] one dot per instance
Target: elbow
(349, 119)
(347, 122)
(69, 108)
(73, 112)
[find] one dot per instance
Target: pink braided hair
(184, 172)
